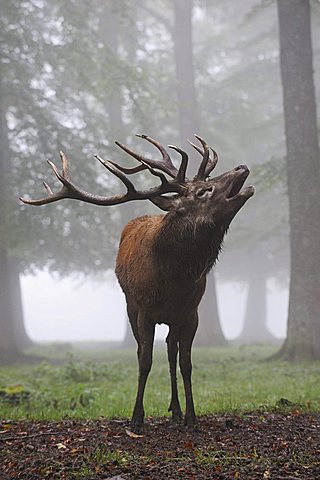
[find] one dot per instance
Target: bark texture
(8, 346)
(303, 180)
(185, 81)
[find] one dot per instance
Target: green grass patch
(87, 384)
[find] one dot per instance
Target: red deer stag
(163, 260)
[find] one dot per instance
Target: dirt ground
(279, 446)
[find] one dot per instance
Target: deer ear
(165, 203)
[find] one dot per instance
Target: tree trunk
(109, 34)
(12, 333)
(209, 331)
(21, 337)
(254, 328)
(303, 180)
(186, 92)
(8, 345)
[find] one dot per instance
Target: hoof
(136, 427)
(193, 428)
(177, 418)
(176, 412)
(191, 424)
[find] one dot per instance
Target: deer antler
(156, 167)
(70, 190)
(207, 164)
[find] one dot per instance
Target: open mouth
(238, 184)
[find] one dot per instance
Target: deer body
(163, 260)
(161, 266)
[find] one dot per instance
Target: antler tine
(212, 163)
(160, 175)
(181, 175)
(129, 171)
(48, 188)
(195, 147)
(113, 168)
(164, 153)
(166, 165)
(133, 154)
(207, 164)
(205, 158)
(65, 166)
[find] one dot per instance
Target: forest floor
(281, 446)
(68, 418)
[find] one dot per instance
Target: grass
(84, 384)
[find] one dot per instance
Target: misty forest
(118, 96)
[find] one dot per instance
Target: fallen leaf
(61, 446)
(75, 450)
(5, 426)
(189, 445)
(132, 434)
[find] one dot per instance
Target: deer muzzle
(237, 178)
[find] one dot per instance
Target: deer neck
(188, 248)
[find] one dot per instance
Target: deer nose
(242, 167)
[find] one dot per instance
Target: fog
(79, 77)
(65, 310)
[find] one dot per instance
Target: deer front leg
(185, 344)
(145, 346)
(172, 346)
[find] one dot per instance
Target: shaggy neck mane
(187, 249)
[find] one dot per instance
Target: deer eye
(205, 192)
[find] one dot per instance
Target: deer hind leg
(172, 347)
(145, 335)
(132, 311)
(185, 344)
